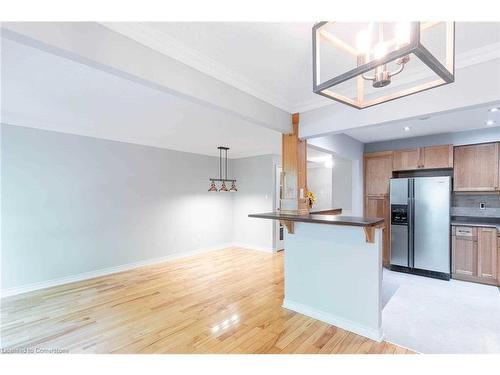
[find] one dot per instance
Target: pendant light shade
(223, 188)
(213, 188)
(222, 174)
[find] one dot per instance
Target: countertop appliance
(420, 225)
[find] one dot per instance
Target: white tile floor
(435, 316)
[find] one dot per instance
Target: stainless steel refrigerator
(420, 225)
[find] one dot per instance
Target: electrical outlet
(482, 206)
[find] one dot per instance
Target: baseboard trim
(252, 247)
(348, 325)
(105, 271)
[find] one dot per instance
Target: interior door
(432, 224)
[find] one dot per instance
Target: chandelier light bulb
(380, 50)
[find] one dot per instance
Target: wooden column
(294, 167)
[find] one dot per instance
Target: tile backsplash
(468, 205)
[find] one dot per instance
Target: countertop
(323, 219)
(492, 222)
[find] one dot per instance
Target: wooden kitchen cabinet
(377, 173)
(464, 252)
(435, 157)
(432, 157)
(405, 160)
(475, 254)
(487, 254)
(379, 207)
(476, 168)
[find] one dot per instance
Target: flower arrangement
(311, 198)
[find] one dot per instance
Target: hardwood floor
(226, 301)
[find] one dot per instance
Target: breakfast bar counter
(333, 269)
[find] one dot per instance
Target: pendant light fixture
(222, 174)
(356, 63)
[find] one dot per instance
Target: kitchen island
(333, 269)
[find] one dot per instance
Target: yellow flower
(310, 195)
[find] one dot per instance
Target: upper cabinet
(476, 168)
(435, 157)
(405, 160)
(377, 173)
(432, 157)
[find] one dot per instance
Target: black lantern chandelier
(355, 63)
(222, 174)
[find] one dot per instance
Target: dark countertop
(323, 219)
(492, 222)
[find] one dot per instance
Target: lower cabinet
(475, 254)
(487, 254)
(378, 206)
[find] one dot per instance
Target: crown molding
(171, 47)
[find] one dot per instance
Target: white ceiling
(465, 119)
(273, 60)
(45, 91)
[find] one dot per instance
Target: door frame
(279, 244)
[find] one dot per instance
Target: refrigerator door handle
(411, 208)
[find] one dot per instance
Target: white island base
(333, 274)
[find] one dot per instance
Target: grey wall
(342, 185)
(458, 138)
(347, 148)
(73, 204)
(319, 181)
(256, 193)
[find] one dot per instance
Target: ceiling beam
(101, 48)
(474, 85)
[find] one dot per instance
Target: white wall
(342, 185)
(347, 148)
(73, 205)
(256, 193)
(319, 181)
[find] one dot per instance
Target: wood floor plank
(225, 301)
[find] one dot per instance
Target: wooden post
(294, 167)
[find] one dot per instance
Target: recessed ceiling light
(406, 128)
(490, 122)
(494, 109)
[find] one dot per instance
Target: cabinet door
(476, 167)
(405, 160)
(437, 157)
(379, 207)
(464, 256)
(378, 172)
(487, 253)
